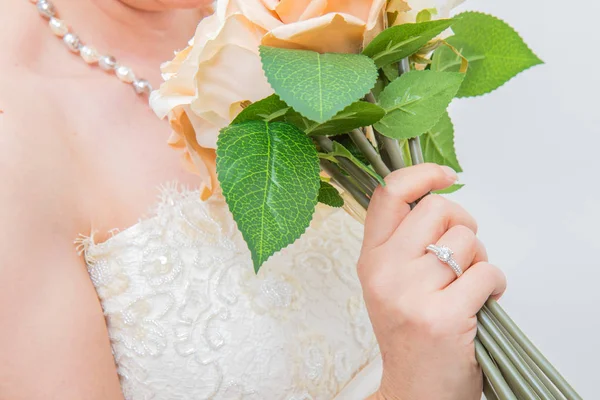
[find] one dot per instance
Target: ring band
(444, 254)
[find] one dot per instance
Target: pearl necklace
(88, 53)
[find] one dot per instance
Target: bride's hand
(424, 317)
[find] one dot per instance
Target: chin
(185, 3)
(157, 5)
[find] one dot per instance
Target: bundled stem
(500, 387)
(416, 153)
(368, 183)
(538, 358)
(361, 141)
(508, 349)
(346, 183)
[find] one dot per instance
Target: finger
(475, 287)
(390, 204)
(467, 250)
(432, 217)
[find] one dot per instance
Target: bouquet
(287, 103)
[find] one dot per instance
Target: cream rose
(207, 83)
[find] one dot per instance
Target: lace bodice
(189, 319)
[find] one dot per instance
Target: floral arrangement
(287, 103)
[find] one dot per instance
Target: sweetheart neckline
(168, 195)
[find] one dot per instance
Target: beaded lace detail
(189, 319)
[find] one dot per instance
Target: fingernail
(450, 172)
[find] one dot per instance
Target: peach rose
(208, 83)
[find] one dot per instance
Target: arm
(53, 339)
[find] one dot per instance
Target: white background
(530, 155)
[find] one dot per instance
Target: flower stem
(345, 183)
(404, 66)
(508, 349)
(539, 359)
(394, 151)
(488, 389)
(416, 153)
(540, 374)
(368, 183)
(391, 146)
(492, 373)
(361, 141)
(514, 379)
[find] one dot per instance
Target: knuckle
(464, 232)
(491, 273)
(465, 236)
(394, 177)
(435, 203)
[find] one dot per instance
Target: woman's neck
(115, 26)
(139, 38)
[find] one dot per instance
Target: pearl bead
(107, 63)
(125, 74)
(58, 27)
(89, 54)
(72, 41)
(46, 9)
(142, 86)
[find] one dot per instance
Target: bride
(169, 306)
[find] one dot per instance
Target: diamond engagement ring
(444, 254)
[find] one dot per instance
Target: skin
(73, 139)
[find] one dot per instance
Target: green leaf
(269, 174)
(347, 142)
(318, 86)
(416, 101)
(340, 151)
(438, 144)
(495, 51)
(330, 196)
(267, 109)
(426, 14)
(354, 116)
(390, 71)
(454, 188)
(397, 42)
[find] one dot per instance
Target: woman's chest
(125, 154)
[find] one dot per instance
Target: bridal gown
(189, 319)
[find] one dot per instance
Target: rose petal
(340, 33)
(203, 160)
(233, 75)
(270, 4)
(176, 141)
(375, 21)
(290, 11)
(254, 10)
(357, 8)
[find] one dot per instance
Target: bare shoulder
(56, 334)
(33, 154)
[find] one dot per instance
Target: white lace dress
(189, 319)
